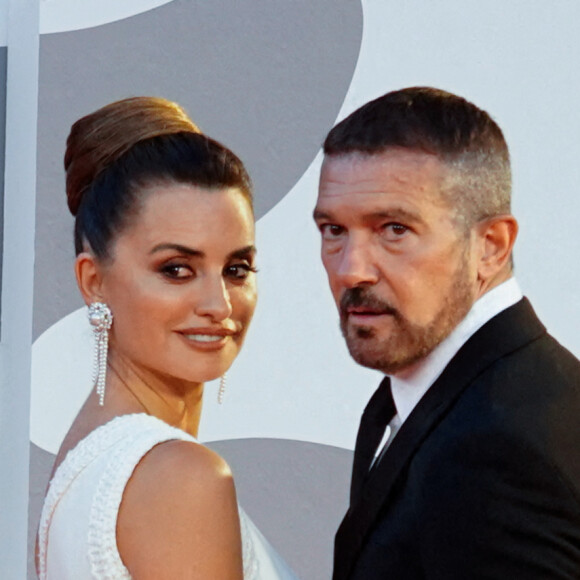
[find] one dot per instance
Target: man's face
(401, 270)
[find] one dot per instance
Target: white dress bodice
(77, 533)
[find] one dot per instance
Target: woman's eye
(330, 231)
(239, 271)
(177, 271)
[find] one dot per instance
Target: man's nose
(214, 302)
(356, 265)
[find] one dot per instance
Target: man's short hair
(464, 137)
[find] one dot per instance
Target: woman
(164, 236)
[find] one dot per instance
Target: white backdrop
(294, 380)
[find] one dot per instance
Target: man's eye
(239, 271)
(331, 231)
(177, 271)
(395, 230)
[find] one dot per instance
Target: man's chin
(381, 363)
(380, 356)
(365, 353)
(357, 332)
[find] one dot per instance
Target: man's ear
(497, 236)
(89, 277)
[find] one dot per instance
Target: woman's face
(181, 282)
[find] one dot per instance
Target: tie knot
(382, 405)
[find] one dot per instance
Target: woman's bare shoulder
(182, 471)
(179, 513)
(187, 462)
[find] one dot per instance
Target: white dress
(77, 534)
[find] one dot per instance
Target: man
(467, 460)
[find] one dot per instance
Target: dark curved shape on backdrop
(266, 78)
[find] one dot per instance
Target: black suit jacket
(482, 480)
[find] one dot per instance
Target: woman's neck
(175, 401)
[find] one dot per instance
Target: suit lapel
(506, 332)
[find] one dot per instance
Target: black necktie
(376, 416)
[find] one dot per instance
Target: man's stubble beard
(407, 343)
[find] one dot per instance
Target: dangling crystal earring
(101, 318)
(222, 388)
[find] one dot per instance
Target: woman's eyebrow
(178, 248)
(243, 252)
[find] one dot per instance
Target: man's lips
(361, 311)
(360, 306)
(366, 317)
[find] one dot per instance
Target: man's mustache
(362, 297)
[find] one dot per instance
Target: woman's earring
(222, 388)
(101, 318)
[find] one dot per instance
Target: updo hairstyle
(120, 149)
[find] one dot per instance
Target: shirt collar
(408, 390)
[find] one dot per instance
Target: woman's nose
(215, 300)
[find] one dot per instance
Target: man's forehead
(406, 159)
(391, 171)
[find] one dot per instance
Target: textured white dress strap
(141, 436)
(73, 465)
(90, 482)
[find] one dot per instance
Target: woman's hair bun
(99, 139)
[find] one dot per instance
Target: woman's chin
(206, 377)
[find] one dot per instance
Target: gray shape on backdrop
(41, 463)
(3, 84)
(296, 492)
(266, 78)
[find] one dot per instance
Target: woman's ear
(497, 235)
(89, 277)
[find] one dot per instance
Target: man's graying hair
(464, 137)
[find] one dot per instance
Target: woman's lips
(204, 337)
(207, 338)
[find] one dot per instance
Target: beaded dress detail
(77, 534)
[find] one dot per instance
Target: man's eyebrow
(395, 213)
(320, 215)
(177, 248)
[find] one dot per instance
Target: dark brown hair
(461, 135)
(115, 152)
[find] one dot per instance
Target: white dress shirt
(408, 388)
